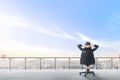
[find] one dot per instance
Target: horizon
(55, 28)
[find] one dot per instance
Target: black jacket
(87, 56)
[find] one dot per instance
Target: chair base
(86, 73)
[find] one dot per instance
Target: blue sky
(55, 27)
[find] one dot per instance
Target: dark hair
(87, 43)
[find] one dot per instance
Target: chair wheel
(85, 75)
(80, 73)
(93, 74)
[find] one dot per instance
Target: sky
(51, 28)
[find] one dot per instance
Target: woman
(87, 56)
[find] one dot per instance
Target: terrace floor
(58, 75)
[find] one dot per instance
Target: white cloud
(85, 38)
(68, 36)
(50, 32)
(10, 21)
(14, 48)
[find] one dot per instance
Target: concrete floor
(57, 75)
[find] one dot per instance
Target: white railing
(56, 63)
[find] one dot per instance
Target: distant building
(3, 56)
(119, 57)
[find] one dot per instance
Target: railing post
(40, 63)
(25, 62)
(111, 63)
(9, 63)
(69, 62)
(96, 63)
(55, 63)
